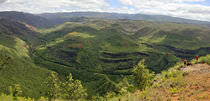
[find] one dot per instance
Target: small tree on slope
(73, 89)
(53, 86)
(143, 77)
(15, 91)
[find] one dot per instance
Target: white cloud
(126, 2)
(165, 1)
(176, 8)
(2, 1)
(40, 6)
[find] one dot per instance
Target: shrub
(110, 95)
(73, 89)
(53, 86)
(15, 91)
(142, 75)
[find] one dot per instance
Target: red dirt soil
(198, 84)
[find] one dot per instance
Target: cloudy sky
(191, 9)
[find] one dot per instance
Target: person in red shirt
(197, 59)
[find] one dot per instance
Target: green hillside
(16, 65)
(102, 53)
(89, 48)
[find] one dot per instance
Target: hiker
(197, 59)
(185, 62)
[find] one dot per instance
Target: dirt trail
(198, 83)
(197, 68)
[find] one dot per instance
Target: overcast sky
(190, 9)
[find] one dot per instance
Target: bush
(15, 91)
(73, 89)
(142, 76)
(96, 98)
(110, 95)
(53, 86)
(4, 97)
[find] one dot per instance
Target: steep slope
(16, 66)
(33, 20)
(18, 29)
(179, 83)
(193, 85)
(198, 83)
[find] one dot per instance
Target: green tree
(15, 91)
(142, 75)
(123, 85)
(73, 89)
(53, 86)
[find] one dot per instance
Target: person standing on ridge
(185, 62)
(197, 59)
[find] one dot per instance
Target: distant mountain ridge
(49, 19)
(157, 18)
(33, 20)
